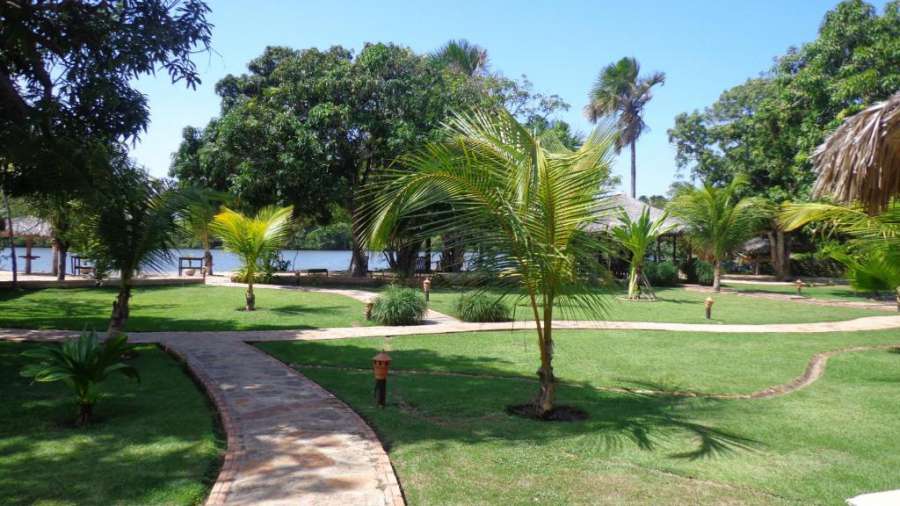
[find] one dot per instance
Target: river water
(223, 261)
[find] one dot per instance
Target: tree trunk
(547, 395)
(12, 242)
(85, 413)
(62, 251)
(54, 258)
(120, 309)
(717, 275)
(451, 255)
(898, 298)
(634, 282)
(208, 261)
(359, 261)
(634, 168)
(780, 254)
(250, 297)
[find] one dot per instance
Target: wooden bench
(317, 272)
(79, 267)
(185, 263)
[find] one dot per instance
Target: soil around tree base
(557, 414)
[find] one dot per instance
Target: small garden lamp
(799, 284)
(380, 364)
(709, 304)
(426, 287)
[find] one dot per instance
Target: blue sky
(704, 47)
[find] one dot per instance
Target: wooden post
(28, 244)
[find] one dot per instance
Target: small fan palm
(637, 236)
(512, 196)
(82, 364)
(252, 239)
(463, 56)
(717, 222)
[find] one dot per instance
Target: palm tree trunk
(634, 168)
(717, 275)
(12, 241)
(208, 260)
(634, 281)
(547, 394)
(85, 413)
(250, 297)
(62, 250)
(120, 309)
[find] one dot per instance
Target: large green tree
(622, 93)
(767, 128)
(307, 128)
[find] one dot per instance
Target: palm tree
(637, 236)
(131, 227)
(462, 56)
(511, 196)
(252, 239)
(202, 206)
(620, 92)
(873, 256)
(717, 222)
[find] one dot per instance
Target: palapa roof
(614, 204)
(860, 161)
(26, 226)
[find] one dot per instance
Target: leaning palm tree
(129, 226)
(510, 195)
(717, 222)
(637, 236)
(873, 254)
(253, 239)
(462, 56)
(203, 205)
(860, 161)
(621, 93)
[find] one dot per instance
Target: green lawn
(679, 305)
(833, 292)
(153, 442)
(820, 445)
(178, 308)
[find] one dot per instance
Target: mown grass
(187, 308)
(825, 292)
(679, 305)
(452, 442)
(153, 442)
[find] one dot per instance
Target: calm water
(333, 260)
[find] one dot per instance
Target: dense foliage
(661, 273)
(481, 307)
(399, 306)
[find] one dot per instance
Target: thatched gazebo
(860, 161)
(28, 228)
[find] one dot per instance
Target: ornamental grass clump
(399, 306)
(479, 307)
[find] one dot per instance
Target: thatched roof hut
(26, 226)
(634, 208)
(860, 161)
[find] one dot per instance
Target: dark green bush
(399, 306)
(705, 273)
(479, 307)
(661, 273)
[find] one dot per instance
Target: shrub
(81, 363)
(399, 306)
(479, 307)
(705, 273)
(661, 273)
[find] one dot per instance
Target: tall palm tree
(512, 196)
(463, 56)
(873, 256)
(252, 239)
(637, 236)
(717, 222)
(621, 93)
(130, 226)
(203, 205)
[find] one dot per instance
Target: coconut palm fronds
(860, 161)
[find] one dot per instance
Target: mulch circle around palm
(557, 414)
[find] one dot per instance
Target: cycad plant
(717, 221)
(637, 236)
(513, 196)
(872, 255)
(82, 364)
(252, 239)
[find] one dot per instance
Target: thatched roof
(755, 246)
(613, 205)
(27, 226)
(860, 161)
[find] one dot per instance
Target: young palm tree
(873, 259)
(620, 92)
(512, 196)
(717, 222)
(131, 226)
(636, 237)
(202, 206)
(252, 239)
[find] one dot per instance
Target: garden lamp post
(799, 285)
(380, 364)
(708, 304)
(426, 287)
